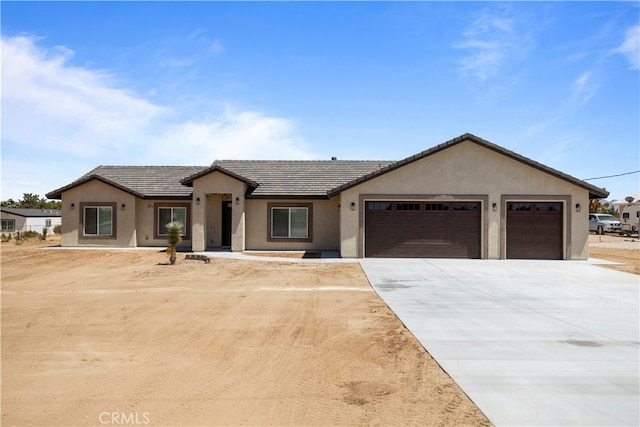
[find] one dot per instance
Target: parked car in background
(604, 223)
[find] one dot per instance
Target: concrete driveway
(532, 343)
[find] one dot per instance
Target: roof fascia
(57, 194)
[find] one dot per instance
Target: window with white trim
(9, 225)
(98, 221)
(168, 214)
(289, 222)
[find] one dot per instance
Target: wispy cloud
(495, 36)
(630, 47)
(583, 88)
(57, 111)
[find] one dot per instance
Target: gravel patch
(627, 244)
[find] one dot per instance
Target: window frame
(114, 220)
(270, 209)
(186, 231)
(11, 221)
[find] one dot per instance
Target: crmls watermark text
(119, 418)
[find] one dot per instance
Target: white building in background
(15, 219)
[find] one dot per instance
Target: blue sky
(176, 83)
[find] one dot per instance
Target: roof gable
(141, 181)
(594, 191)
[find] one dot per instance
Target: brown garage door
(422, 229)
(534, 230)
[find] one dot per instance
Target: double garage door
(422, 229)
(409, 229)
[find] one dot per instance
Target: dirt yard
(617, 248)
(117, 338)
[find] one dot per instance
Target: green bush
(57, 229)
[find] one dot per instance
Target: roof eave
(57, 194)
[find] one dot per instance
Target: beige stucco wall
(145, 222)
(217, 183)
(325, 232)
(468, 171)
(98, 192)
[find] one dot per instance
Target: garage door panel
(436, 230)
(534, 230)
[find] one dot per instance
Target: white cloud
(234, 135)
(493, 38)
(58, 112)
(48, 103)
(630, 47)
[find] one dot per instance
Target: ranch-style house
(465, 198)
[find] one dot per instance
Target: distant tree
(31, 201)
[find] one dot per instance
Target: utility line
(611, 176)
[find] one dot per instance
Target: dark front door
(226, 223)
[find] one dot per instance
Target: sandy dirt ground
(116, 338)
(629, 259)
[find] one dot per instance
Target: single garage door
(409, 229)
(534, 230)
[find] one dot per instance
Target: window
(549, 207)
(47, 223)
(436, 206)
(98, 221)
(291, 222)
(519, 207)
(466, 206)
(9, 225)
(171, 212)
(379, 206)
(408, 206)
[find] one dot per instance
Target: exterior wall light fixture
(237, 200)
(197, 200)
(495, 207)
(577, 207)
(122, 206)
(73, 206)
(353, 206)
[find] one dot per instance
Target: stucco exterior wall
(146, 234)
(96, 192)
(325, 232)
(468, 171)
(217, 183)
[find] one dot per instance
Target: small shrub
(5, 237)
(45, 231)
(174, 237)
(57, 229)
(29, 234)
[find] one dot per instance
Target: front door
(226, 223)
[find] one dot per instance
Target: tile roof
(299, 178)
(283, 178)
(141, 181)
